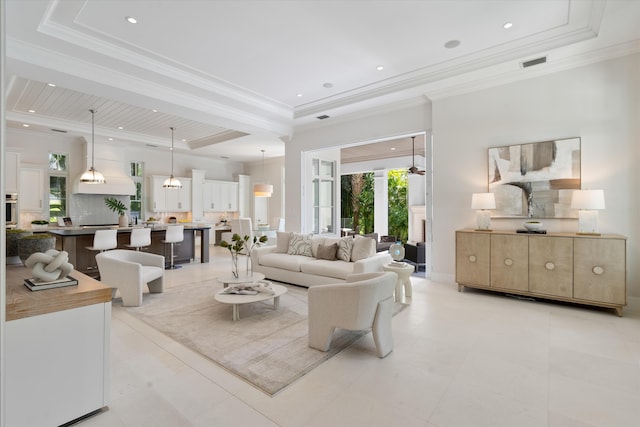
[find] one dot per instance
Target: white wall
(599, 103)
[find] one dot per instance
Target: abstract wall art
(535, 180)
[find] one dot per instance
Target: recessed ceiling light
(154, 110)
(379, 68)
(110, 139)
(393, 148)
(328, 85)
(507, 25)
(25, 125)
(183, 140)
(32, 111)
(452, 43)
(51, 84)
(299, 95)
(131, 20)
(120, 127)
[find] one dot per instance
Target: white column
(381, 203)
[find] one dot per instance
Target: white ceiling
(227, 74)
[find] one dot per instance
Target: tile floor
(460, 359)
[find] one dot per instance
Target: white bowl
(533, 226)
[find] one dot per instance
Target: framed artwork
(535, 180)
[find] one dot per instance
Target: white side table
(403, 270)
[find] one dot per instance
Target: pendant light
(262, 190)
(92, 176)
(172, 182)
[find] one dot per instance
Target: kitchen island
(75, 241)
(57, 344)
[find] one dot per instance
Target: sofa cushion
(345, 244)
(300, 244)
(150, 273)
(282, 242)
(283, 261)
(363, 247)
(316, 241)
(327, 252)
(321, 267)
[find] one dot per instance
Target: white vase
(123, 220)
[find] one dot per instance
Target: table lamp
(397, 252)
(588, 202)
(482, 202)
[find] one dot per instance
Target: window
(135, 202)
(323, 196)
(58, 178)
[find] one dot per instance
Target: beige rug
(267, 348)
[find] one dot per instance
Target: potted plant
(118, 207)
(38, 242)
(39, 224)
(242, 245)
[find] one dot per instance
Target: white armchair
(128, 271)
(365, 301)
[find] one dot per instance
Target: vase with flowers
(242, 246)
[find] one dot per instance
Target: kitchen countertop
(81, 231)
(21, 302)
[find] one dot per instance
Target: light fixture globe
(397, 251)
(92, 176)
(172, 182)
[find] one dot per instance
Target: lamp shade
(92, 176)
(483, 201)
(262, 190)
(588, 199)
(172, 182)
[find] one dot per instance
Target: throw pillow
(327, 252)
(282, 242)
(300, 244)
(363, 247)
(345, 245)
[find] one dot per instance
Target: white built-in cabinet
(32, 195)
(559, 266)
(11, 172)
(169, 199)
(220, 196)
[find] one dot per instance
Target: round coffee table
(403, 270)
(236, 299)
(242, 278)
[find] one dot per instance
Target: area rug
(266, 348)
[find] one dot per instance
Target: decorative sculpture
(50, 265)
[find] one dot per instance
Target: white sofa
(306, 270)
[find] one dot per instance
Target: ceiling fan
(413, 169)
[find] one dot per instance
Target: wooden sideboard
(558, 266)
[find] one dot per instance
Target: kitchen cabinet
(560, 266)
(57, 344)
(11, 172)
(32, 195)
(170, 199)
(220, 196)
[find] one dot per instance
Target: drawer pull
(549, 266)
(508, 262)
(472, 258)
(597, 270)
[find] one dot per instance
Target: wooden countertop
(22, 303)
(550, 234)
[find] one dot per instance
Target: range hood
(117, 182)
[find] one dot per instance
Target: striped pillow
(300, 244)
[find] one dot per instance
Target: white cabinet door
(231, 196)
(170, 199)
(157, 201)
(11, 175)
(32, 194)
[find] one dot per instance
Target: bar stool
(104, 240)
(174, 234)
(140, 238)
